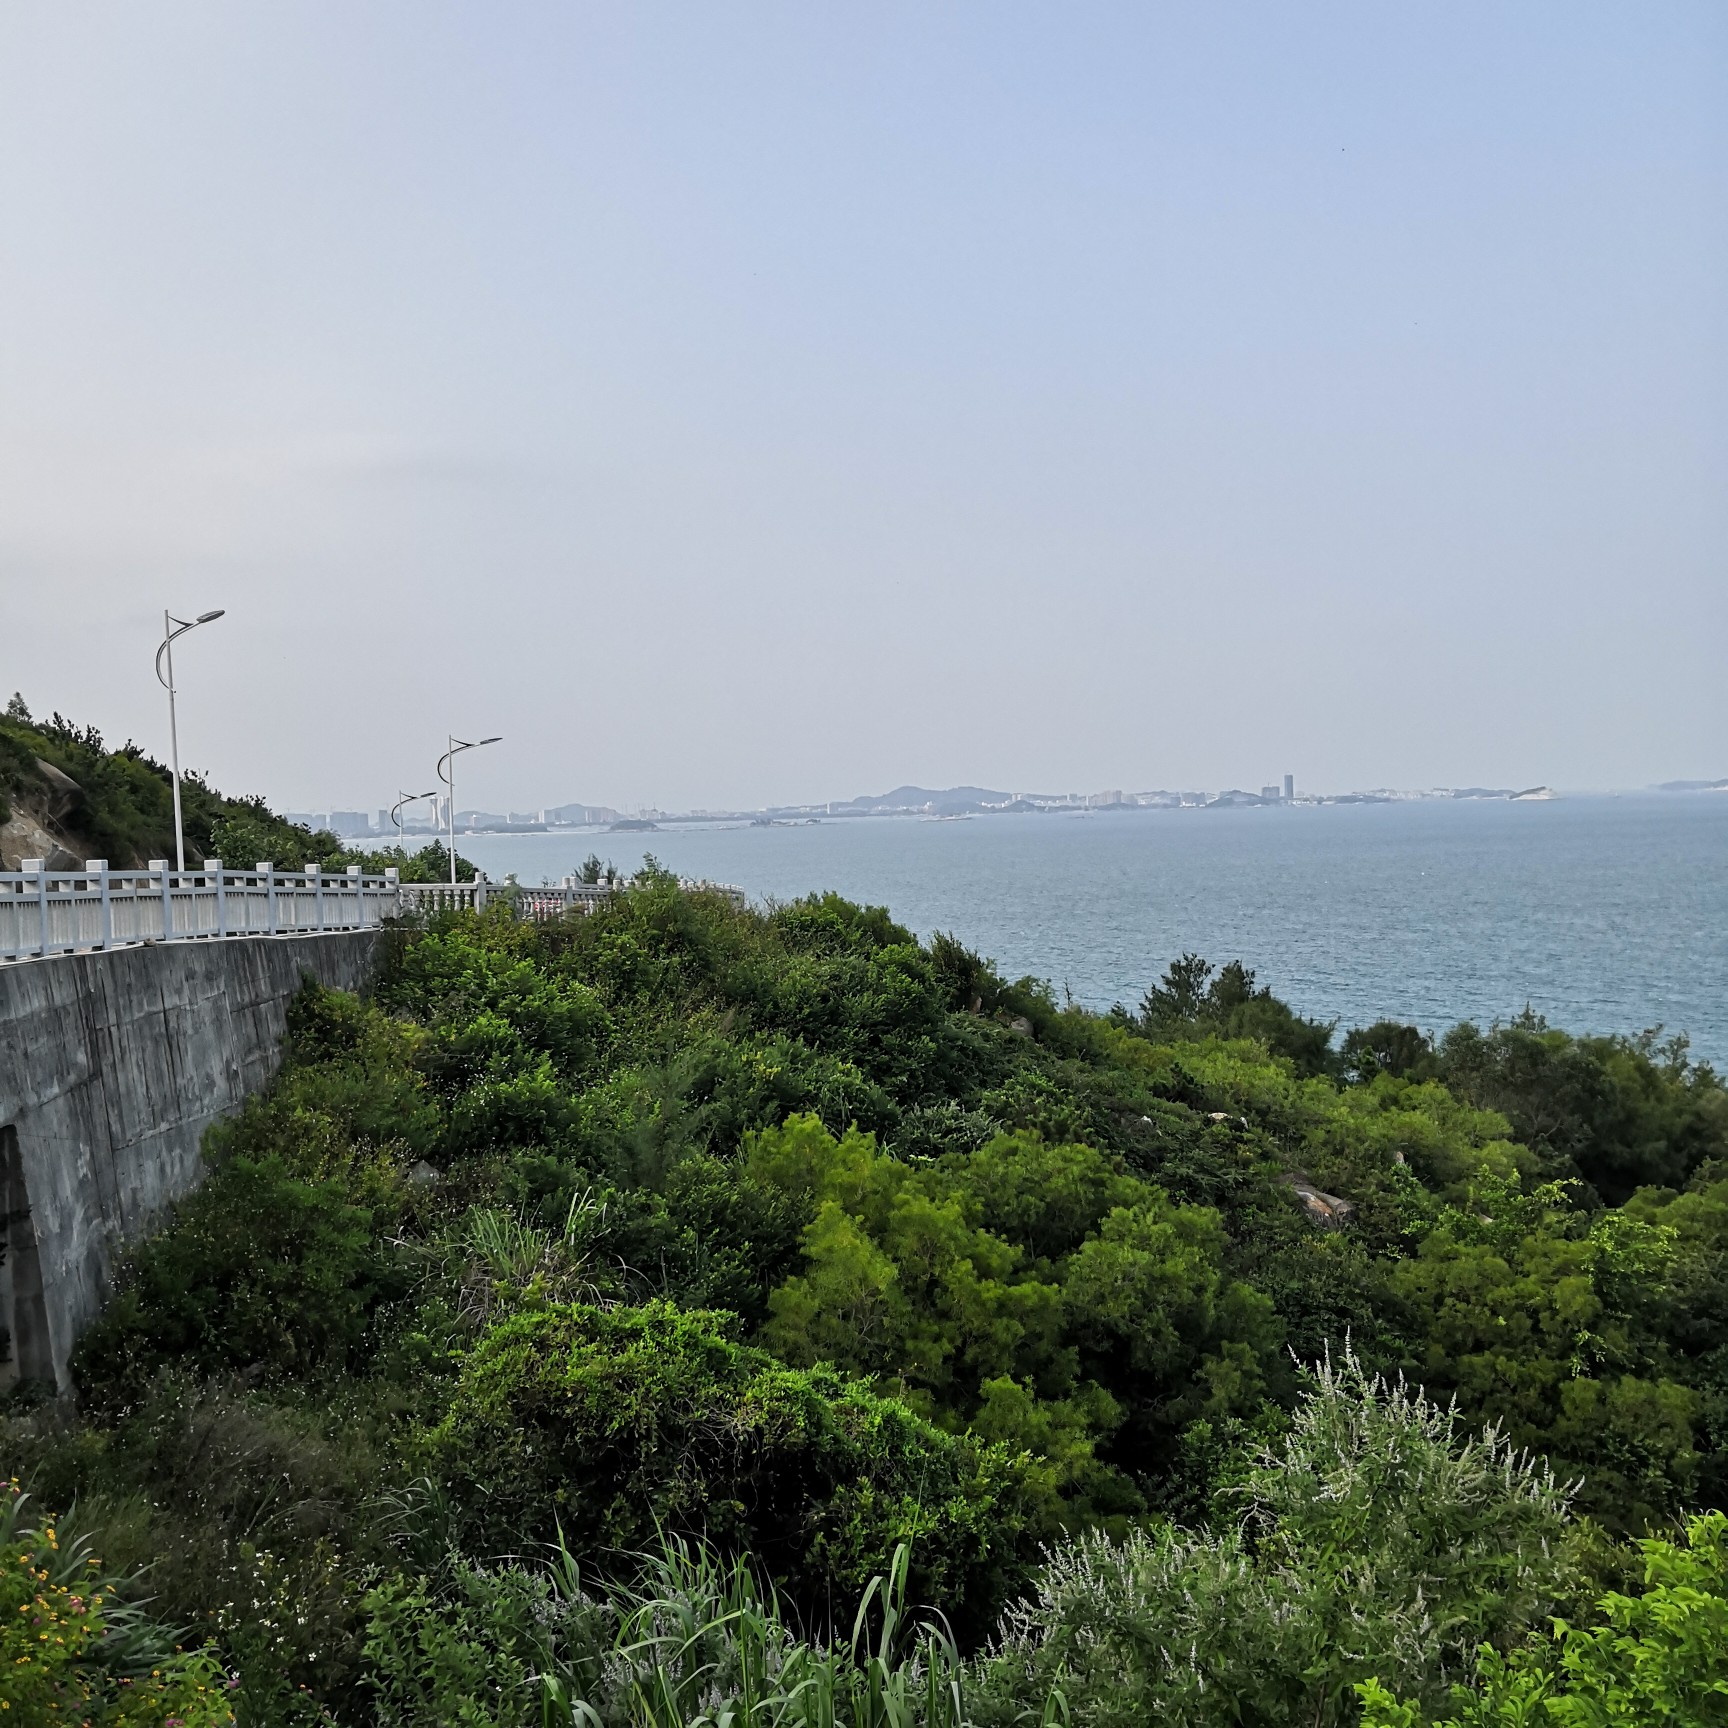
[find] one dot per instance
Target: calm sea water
(1605, 914)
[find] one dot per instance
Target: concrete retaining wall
(112, 1065)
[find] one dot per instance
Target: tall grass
(694, 1640)
(700, 1642)
(499, 1251)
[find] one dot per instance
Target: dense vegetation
(683, 1309)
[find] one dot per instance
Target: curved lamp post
(406, 798)
(447, 773)
(172, 627)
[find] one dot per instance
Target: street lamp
(172, 627)
(448, 761)
(406, 798)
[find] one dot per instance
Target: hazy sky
(752, 403)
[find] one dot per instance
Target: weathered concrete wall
(111, 1067)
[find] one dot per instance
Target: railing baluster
(37, 867)
(160, 866)
(98, 867)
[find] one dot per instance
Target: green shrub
(1657, 1656)
(1093, 1293)
(612, 1424)
(264, 1270)
(1377, 1539)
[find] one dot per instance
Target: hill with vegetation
(692, 1314)
(65, 797)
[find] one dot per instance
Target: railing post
(359, 897)
(215, 865)
(37, 867)
(268, 871)
(161, 865)
(393, 887)
(317, 876)
(479, 890)
(98, 867)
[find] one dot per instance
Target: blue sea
(1606, 914)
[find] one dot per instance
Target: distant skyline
(358, 817)
(733, 405)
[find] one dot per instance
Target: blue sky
(733, 404)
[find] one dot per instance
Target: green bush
(1658, 1656)
(1093, 1294)
(265, 1271)
(1378, 1539)
(611, 1425)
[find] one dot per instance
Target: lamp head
(207, 617)
(498, 740)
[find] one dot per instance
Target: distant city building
(1289, 788)
(1269, 793)
(349, 822)
(384, 825)
(1103, 800)
(577, 815)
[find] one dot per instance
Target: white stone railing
(61, 911)
(427, 897)
(540, 905)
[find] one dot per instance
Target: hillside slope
(66, 797)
